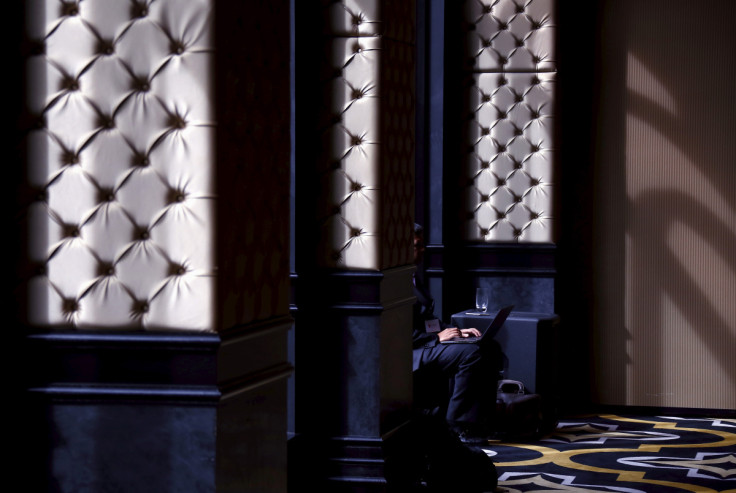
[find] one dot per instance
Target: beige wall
(665, 206)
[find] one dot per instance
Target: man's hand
(449, 333)
(470, 332)
(453, 332)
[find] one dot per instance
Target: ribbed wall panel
(665, 332)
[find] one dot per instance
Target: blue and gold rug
(610, 453)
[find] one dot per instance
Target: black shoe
(469, 436)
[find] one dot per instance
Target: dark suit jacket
(423, 311)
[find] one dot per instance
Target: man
(472, 371)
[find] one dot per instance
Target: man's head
(418, 243)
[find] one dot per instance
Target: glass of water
(481, 299)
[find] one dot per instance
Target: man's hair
(418, 230)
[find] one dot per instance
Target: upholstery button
(140, 9)
(141, 160)
(177, 121)
(357, 19)
(357, 93)
(503, 26)
(140, 307)
(486, 98)
(177, 269)
(502, 115)
(502, 81)
(484, 231)
(519, 8)
(70, 158)
(106, 47)
(535, 147)
(536, 59)
(141, 84)
(106, 269)
(534, 215)
(503, 60)
(485, 131)
(357, 48)
(517, 232)
(143, 234)
(177, 47)
(535, 114)
(106, 195)
(356, 140)
(536, 25)
(535, 80)
(355, 232)
(485, 164)
(501, 148)
(71, 231)
(487, 9)
(519, 98)
(70, 305)
(69, 8)
(484, 198)
(518, 164)
(500, 214)
(501, 182)
(518, 132)
(519, 42)
(487, 42)
(356, 187)
(535, 182)
(71, 84)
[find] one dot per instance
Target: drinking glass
(481, 299)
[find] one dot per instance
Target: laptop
(489, 332)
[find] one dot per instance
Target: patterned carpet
(622, 454)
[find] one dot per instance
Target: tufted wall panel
(366, 162)
(122, 159)
(509, 132)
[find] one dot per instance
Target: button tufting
(70, 84)
(141, 84)
(141, 160)
(69, 9)
(140, 307)
(106, 47)
(176, 196)
(177, 121)
(106, 269)
(70, 158)
(143, 234)
(177, 47)
(139, 9)
(71, 231)
(70, 305)
(106, 195)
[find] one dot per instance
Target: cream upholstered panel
(509, 135)
(122, 159)
(511, 35)
(367, 136)
(510, 167)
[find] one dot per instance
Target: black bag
(520, 413)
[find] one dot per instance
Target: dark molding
(144, 363)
